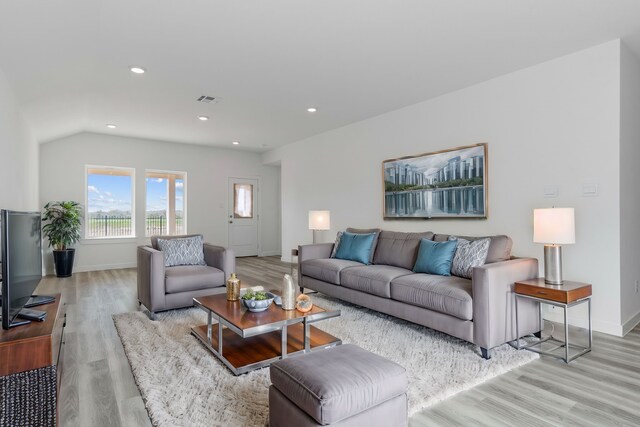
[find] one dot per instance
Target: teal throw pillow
(355, 247)
(435, 257)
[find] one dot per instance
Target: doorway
(244, 215)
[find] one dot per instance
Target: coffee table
(245, 341)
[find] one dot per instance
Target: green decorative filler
(250, 294)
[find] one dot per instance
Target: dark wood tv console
(33, 351)
(34, 345)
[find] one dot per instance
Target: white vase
(288, 293)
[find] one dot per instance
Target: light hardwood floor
(601, 388)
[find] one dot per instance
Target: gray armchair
(163, 288)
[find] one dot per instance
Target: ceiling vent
(207, 99)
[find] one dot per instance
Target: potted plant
(62, 229)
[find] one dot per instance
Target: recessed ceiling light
(137, 70)
(203, 118)
(312, 109)
(111, 126)
(236, 142)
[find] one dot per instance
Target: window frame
(171, 175)
(131, 172)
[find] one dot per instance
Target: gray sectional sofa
(480, 310)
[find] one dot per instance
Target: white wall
(556, 123)
(629, 193)
(18, 155)
(208, 169)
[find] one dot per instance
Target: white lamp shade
(554, 226)
(319, 220)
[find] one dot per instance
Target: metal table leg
(284, 341)
(566, 336)
(541, 319)
(209, 325)
(220, 329)
(590, 330)
(517, 326)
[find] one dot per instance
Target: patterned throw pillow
(183, 251)
(469, 255)
(336, 244)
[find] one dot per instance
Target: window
(242, 201)
(110, 202)
(165, 211)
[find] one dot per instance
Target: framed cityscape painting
(445, 184)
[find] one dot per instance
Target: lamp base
(553, 264)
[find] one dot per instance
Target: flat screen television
(21, 245)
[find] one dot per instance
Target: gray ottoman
(340, 386)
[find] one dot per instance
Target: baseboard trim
(630, 324)
(607, 328)
(597, 325)
(98, 267)
(270, 253)
(106, 266)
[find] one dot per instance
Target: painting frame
(447, 184)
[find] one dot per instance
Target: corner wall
(62, 177)
(554, 124)
(18, 155)
(629, 193)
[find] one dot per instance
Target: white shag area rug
(183, 384)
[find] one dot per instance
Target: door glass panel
(242, 200)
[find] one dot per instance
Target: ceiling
(267, 61)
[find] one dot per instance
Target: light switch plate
(589, 190)
(550, 191)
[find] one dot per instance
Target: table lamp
(319, 220)
(553, 227)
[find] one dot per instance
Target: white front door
(243, 216)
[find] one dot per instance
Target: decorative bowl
(257, 306)
(303, 303)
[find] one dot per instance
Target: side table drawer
(558, 294)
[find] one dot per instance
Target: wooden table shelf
(245, 341)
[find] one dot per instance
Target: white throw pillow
(336, 244)
(468, 255)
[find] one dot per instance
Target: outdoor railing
(121, 226)
(109, 226)
(180, 226)
(156, 225)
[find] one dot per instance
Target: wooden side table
(567, 295)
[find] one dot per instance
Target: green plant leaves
(63, 222)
